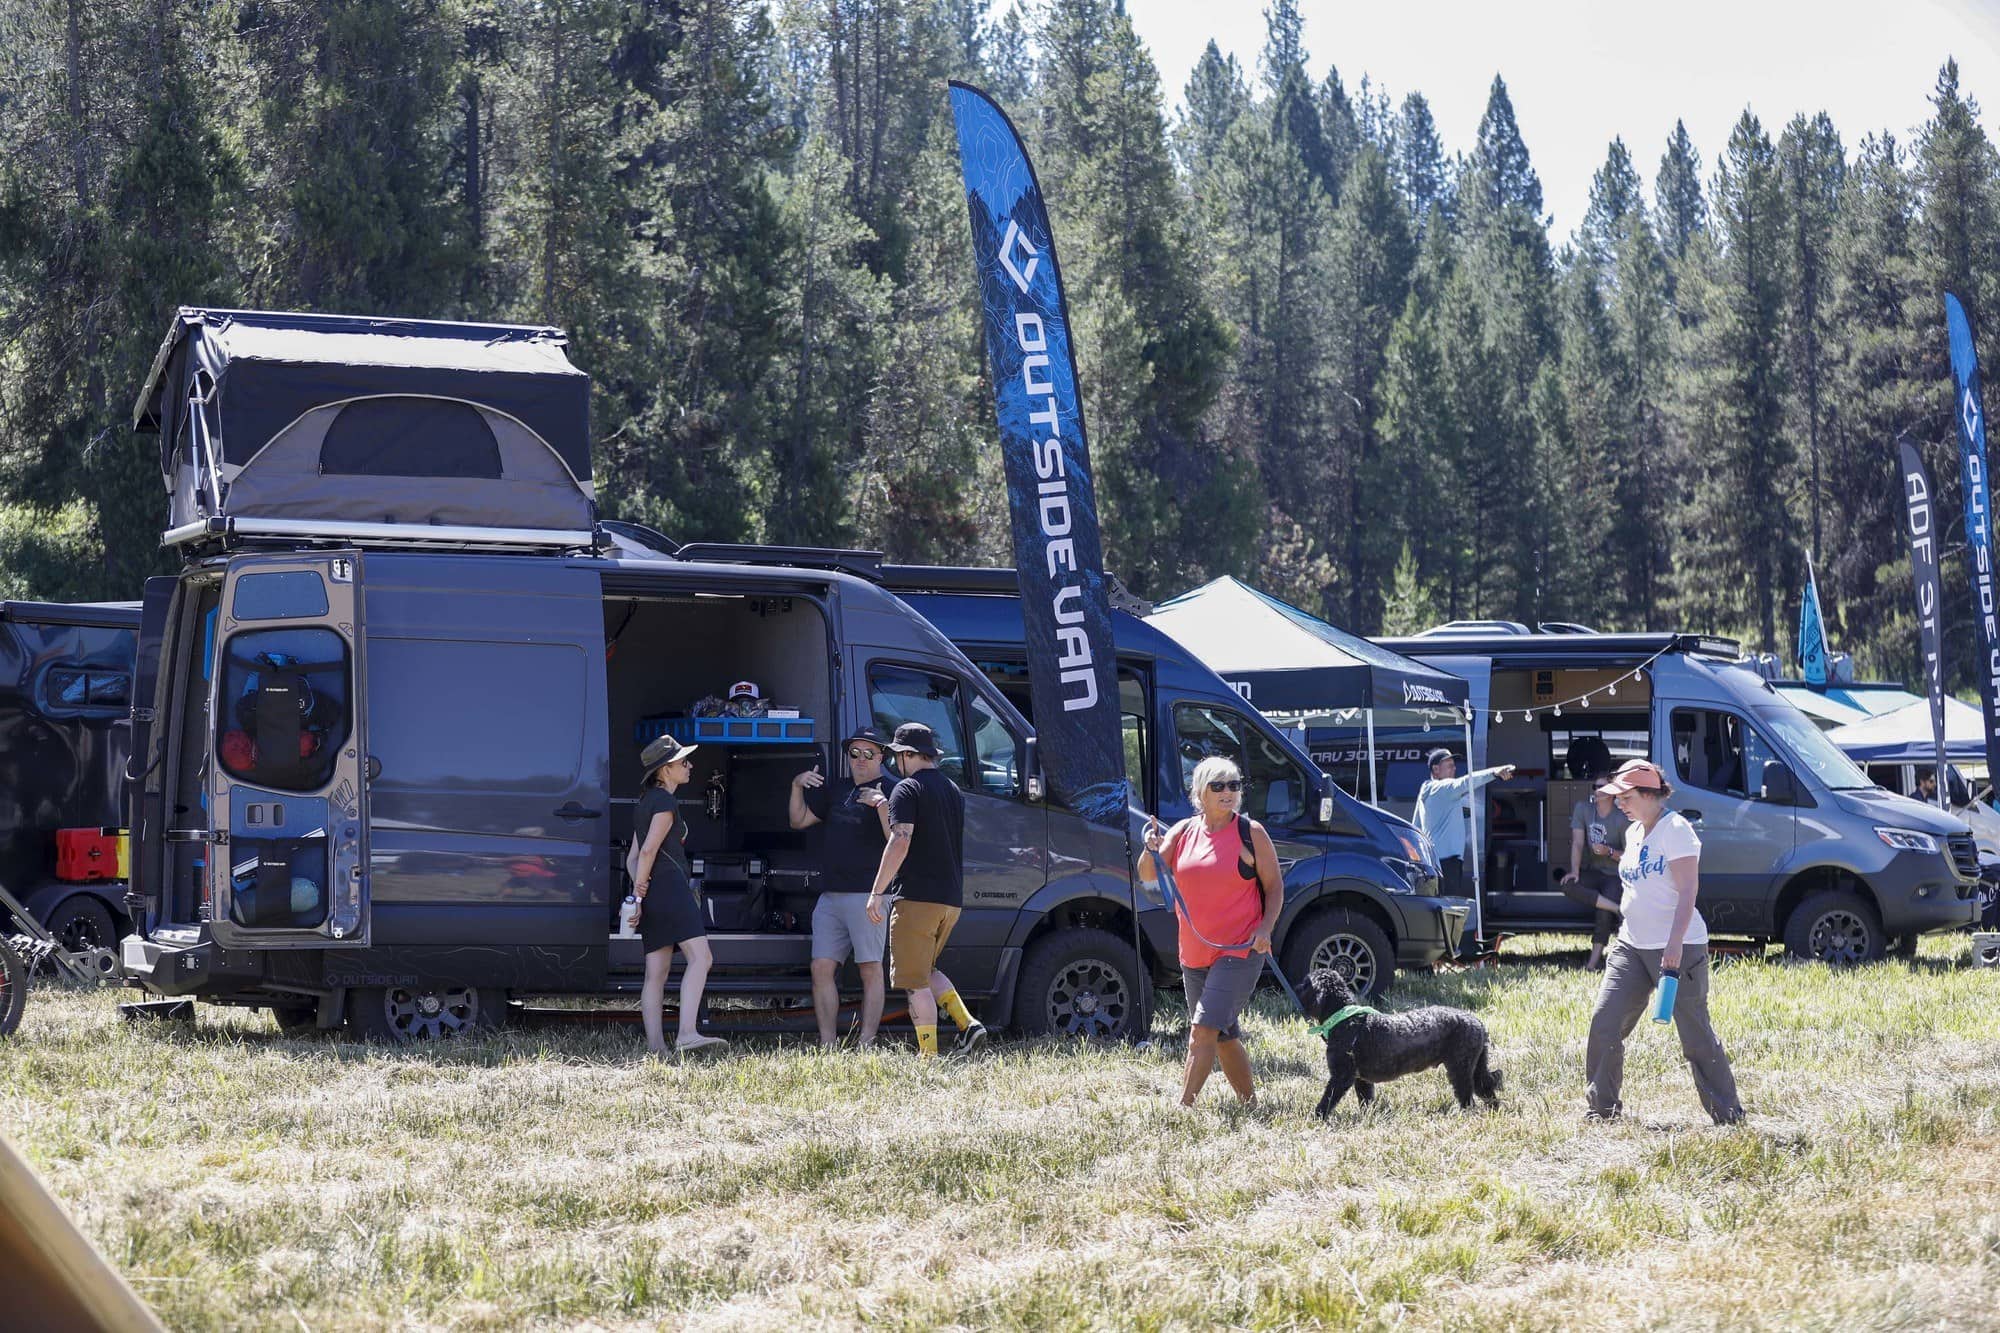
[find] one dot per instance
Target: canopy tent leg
(1374, 797)
(1478, 855)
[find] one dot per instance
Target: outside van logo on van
(1242, 687)
(1423, 694)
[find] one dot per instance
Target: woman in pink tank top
(1227, 872)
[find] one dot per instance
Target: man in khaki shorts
(925, 861)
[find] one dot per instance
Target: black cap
(869, 734)
(1438, 756)
(915, 738)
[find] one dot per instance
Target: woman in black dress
(672, 915)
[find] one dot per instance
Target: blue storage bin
(727, 730)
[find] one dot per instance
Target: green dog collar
(1322, 1029)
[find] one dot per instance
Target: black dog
(1372, 1048)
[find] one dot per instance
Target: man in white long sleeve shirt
(1441, 813)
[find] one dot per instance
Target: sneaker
(969, 1040)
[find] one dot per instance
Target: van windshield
(1796, 732)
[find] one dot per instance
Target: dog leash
(1339, 1016)
(1171, 892)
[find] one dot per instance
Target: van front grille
(1964, 855)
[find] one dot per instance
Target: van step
(159, 1011)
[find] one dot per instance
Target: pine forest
(1322, 350)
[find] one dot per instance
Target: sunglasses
(859, 752)
(1226, 784)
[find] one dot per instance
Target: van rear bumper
(187, 963)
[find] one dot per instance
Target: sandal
(699, 1041)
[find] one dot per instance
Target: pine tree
(1615, 195)
(1882, 323)
(1642, 321)
(1813, 165)
(1500, 165)
(1213, 100)
(1677, 195)
(1739, 560)
(1422, 173)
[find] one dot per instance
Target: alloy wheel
(430, 1015)
(1840, 937)
(1089, 998)
(1350, 956)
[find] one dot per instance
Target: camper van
(1361, 892)
(391, 708)
(65, 701)
(1798, 845)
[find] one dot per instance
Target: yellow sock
(951, 1004)
(927, 1038)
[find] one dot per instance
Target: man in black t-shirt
(850, 826)
(925, 861)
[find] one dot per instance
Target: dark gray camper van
(391, 741)
(1797, 844)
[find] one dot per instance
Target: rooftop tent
(337, 425)
(1904, 735)
(1285, 660)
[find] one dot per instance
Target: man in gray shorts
(850, 823)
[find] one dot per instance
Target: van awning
(338, 419)
(1284, 660)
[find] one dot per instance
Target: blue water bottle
(1663, 1006)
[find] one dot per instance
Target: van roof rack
(861, 564)
(1005, 582)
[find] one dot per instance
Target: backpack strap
(1249, 849)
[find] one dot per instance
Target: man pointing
(1441, 813)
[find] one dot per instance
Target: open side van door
(287, 787)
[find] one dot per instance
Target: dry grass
(551, 1178)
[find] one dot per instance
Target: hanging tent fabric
(1904, 736)
(281, 422)
(1284, 660)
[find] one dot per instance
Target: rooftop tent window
(407, 436)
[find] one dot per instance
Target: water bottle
(628, 916)
(1663, 1005)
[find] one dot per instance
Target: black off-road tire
(1837, 927)
(1082, 982)
(404, 1014)
(82, 922)
(1347, 941)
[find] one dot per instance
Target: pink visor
(1634, 775)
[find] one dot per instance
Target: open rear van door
(287, 787)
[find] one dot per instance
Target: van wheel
(81, 922)
(1347, 942)
(1080, 983)
(13, 989)
(1837, 927)
(403, 1014)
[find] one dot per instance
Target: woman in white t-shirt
(1661, 933)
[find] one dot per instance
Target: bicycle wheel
(13, 989)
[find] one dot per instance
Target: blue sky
(1580, 73)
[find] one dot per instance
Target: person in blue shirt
(1441, 813)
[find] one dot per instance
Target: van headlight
(1407, 876)
(1907, 840)
(1417, 845)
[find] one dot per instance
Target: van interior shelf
(726, 730)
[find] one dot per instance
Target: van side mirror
(1780, 787)
(1031, 768)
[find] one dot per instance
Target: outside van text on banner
(1072, 667)
(1921, 507)
(1971, 416)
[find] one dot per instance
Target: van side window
(86, 689)
(998, 753)
(282, 709)
(1275, 789)
(1719, 752)
(904, 694)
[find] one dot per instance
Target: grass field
(552, 1178)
